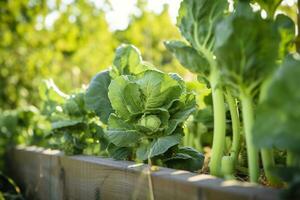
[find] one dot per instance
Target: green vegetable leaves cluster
(74, 129)
(277, 123)
(148, 108)
(236, 51)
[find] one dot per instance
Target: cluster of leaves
(74, 130)
(144, 110)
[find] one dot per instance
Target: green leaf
(121, 133)
(162, 144)
(182, 114)
(188, 57)
(133, 98)
(277, 122)
(247, 55)
(119, 153)
(96, 97)
(186, 158)
(142, 152)
(116, 94)
(197, 20)
(158, 88)
(128, 61)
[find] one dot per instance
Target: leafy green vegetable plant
(277, 122)
(148, 110)
(74, 129)
(149, 107)
(237, 63)
(247, 59)
(197, 21)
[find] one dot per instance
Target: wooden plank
(48, 174)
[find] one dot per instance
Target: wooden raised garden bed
(48, 174)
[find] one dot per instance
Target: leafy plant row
(133, 111)
(251, 66)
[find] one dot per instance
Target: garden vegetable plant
(144, 110)
(197, 21)
(237, 53)
(74, 129)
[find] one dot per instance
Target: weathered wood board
(47, 174)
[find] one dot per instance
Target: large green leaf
(121, 133)
(157, 147)
(186, 158)
(277, 122)
(158, 88)
(119, 153)
(96, 97)
(162, 144)
(246, 55)
(188, 57)
(142, 152)
(116, 94)
(133, 98)
(127, 61)
(197, 20)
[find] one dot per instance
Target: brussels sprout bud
(151, 122)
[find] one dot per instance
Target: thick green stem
(235, 121)
(248, 116)
(218, 110)
(219, 124)
(267, 155)
(228, 167)
(269, 162)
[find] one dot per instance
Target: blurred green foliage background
(75, 47)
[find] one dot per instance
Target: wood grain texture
(47, 174)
